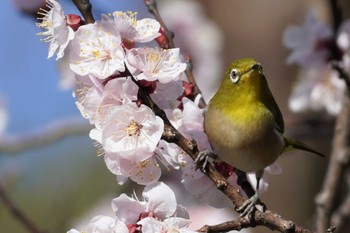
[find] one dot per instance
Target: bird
(245, 126)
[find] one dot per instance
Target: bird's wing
(273, 107)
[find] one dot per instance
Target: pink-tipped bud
(74, 21)
(162, 40)
(188, 91)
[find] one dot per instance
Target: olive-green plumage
(243, 122)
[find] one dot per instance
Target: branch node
(169, 134)
(221, 184)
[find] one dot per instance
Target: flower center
(133, 129)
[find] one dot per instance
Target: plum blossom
(319, 86)
(134, 30)
(343, 42)
(309, 42)
(318, 89)
(88, 93)
(116, 92)
(95, 100)
(131, 215)
(159, 204)
(143, 172)
(103, 224)
(57, 33)
(97, 50)
(202, 187)
(169, 225)
(166, 94)
(132, 132)
(155, 64)
(189, 122)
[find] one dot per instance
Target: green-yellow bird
(244, 124)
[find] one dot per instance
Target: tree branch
(85, 8)
(17, 213)
(341, 218)
(52, 133)
(339, 161)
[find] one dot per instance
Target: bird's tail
(294, 144)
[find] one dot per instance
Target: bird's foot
(247, 208)
(203, 159)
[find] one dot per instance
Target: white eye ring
(234, 77)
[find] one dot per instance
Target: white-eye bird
(244, 124)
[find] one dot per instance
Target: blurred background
(62, 185)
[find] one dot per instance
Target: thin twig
(153, 9)
(17, 213)
(51, 134)
(85, 8)
(232, 225)
(339, 160)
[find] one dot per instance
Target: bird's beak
(256, 67)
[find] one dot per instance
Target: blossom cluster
(111, 62)
(109, 68)
(314, 46)
(158, 212)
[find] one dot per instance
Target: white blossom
(309, 42)
(132, 131)
(103, 224)
(143, 172)
(169, 225)
(166, 94)
(155, 64)
(159, 203)
(97, 50)
(318, 89)
(57, 33)
(134, 30)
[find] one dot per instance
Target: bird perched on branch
(244, 124)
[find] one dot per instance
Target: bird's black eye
(234, 77)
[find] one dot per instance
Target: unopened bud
(162, 40)
(74, 21)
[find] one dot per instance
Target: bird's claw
(202, 160)
(247, 208)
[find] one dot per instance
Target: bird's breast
(246, 140)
